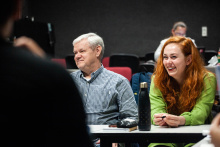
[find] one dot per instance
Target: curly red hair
(184, 99)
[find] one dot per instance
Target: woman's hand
(169, 120)
(159, 120)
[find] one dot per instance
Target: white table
(71, 70)
(157, 134)
(205, 142)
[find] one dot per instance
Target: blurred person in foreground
(215, 131)
(179, 29)
(107, 96)
(182, 89)
(40, 104)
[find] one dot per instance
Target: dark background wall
(127, 26)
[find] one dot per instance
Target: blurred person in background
(179, 29)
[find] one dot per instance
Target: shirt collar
(93, 75)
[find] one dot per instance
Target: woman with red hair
(182, 91)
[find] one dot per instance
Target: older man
(107, 96)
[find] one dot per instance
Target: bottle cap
(143, 85)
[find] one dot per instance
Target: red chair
(60, 61)
(124, 71)
(105, 61)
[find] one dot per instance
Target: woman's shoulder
(164, 40)
(209, 77)
(209, 74)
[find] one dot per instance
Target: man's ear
(173, 32)
(98, 50)
(188, 59)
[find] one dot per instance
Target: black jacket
(39, 103)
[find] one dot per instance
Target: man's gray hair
(93, 39)
(179, 24)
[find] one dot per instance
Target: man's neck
(87, 74)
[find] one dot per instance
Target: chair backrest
(105, 61)
(147, 67)
(124, 71)
(149, 56)
(61, 61)
(125, 60)
(70, 62)
(209, 54)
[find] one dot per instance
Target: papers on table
(106, 128)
